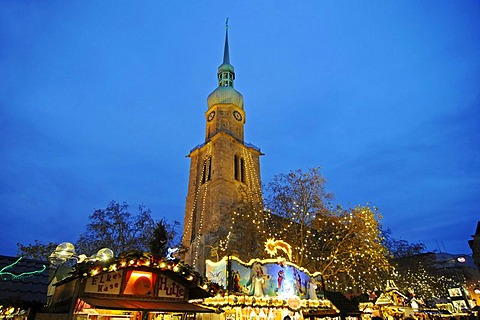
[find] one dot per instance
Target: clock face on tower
(211, 115)
(237, 115)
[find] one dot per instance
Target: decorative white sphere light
(104, 254)
(65, 250)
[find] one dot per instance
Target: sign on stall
(107, 283)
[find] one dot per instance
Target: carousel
(272, 288)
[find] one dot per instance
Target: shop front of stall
(126, 289)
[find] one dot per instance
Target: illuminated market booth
(265, 289)
(135, 286)
(393, 304)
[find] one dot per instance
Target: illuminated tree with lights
(420, 274)
(298, 198)
(242, 232)
(349, 251)
(344, 245)
(430, 275)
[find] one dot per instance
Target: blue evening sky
(102, 100)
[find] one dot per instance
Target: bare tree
(297, 199)
(38, 250)
(115, 227)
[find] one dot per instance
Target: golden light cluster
(272, 245)
(146, 260)
(275, 302)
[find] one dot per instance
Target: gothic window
(242, 170)
(235, 167)
(207, 170)
(239, 169)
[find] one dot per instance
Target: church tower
(224, 185)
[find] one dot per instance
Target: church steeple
(226, 73)
(226, 53)
(224, 175)
(225, 111)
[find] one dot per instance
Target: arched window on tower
(239, 169)
(207, 170)
(235, 167)
(242, 170)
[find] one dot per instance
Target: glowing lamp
(66, 251)
(104, 254)
(62, 253)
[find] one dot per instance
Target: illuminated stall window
(140, 283)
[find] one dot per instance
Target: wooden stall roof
(23, 282)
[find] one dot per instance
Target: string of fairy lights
(430, 283)
(255, 192)
(200, 227)
(352, 262)
(253, 198)
(7, 275)
(190, 224)
(308, 249)
(360, 269)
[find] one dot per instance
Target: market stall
(133, 287)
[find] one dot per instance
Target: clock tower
(224, 200)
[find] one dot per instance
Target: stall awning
(123, 304)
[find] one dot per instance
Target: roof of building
(23, 282)
(225, 93)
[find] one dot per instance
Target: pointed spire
(225, 74)
(225, 93)
(226, 53)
